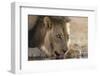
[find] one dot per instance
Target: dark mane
(59, 19)
(36, 34)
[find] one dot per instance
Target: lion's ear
(47, 22)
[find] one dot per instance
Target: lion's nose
(57, 54)
(64, 50)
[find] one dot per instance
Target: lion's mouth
(59, 56)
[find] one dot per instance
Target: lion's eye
(59, 36)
